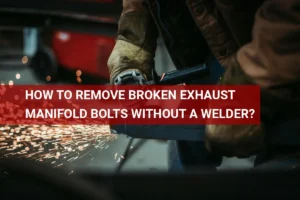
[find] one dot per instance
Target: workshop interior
(70, 42)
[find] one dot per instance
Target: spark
(78, 73)
(48, 78)
(79, 80)
(18, 76)
(11, 82)
(53, 144)
(24, 59)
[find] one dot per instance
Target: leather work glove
(234, 140)
(129, 65)
(136, 43)
(127, 57)
(239, 141)
(132, 59)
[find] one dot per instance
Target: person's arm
(272, 61)
(136, 41)
(272, 58)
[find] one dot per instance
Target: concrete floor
(151, 157)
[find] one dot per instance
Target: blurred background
(69, 42)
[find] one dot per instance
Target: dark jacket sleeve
(137, 26)
(136, 40)
(272, 58)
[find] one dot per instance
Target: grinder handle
(183, 75)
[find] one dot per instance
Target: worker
(256, 42)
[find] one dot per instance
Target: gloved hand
(130, 65)
(234, 140)
(127, 57)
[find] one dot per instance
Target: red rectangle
(70, 104)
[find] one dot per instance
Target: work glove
(234, 140)
(136, 42)
(239, 141)
(130, 65)
(127, 57)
